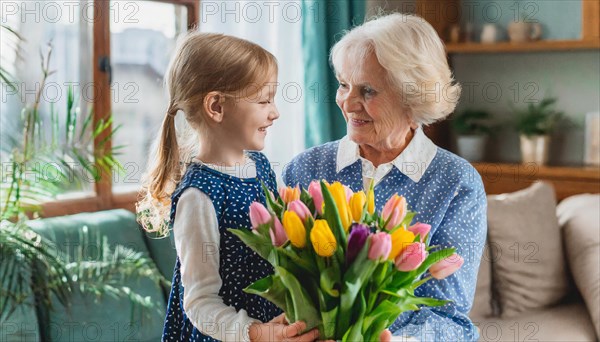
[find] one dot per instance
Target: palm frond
(108, 274)
(24, 251)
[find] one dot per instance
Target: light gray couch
(539, 279)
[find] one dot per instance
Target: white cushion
(579, 217)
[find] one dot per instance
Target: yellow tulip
(339, 197)
(357, 204)
(401, 238)
(294, 229)
(322, 239)
(371, 201)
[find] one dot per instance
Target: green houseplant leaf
(471, 122)
(537, 118)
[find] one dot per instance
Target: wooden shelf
(501, 178)
(541, 46)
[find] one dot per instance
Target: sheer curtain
(277, 27)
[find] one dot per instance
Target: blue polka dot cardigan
(447, 193)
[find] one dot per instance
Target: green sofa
(91, 318)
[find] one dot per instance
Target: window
(141, 46)
(110, 53)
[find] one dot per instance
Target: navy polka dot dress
(239, 265)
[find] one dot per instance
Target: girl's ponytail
(163, 175)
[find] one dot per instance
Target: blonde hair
(413, 55)
(202, 63)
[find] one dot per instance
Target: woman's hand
(279, 330)
(386, 336)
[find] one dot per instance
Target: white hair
(413, 55)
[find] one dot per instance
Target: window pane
(39, 23)
(143, 36)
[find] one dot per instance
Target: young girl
(225, 88)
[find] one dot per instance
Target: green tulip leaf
(259, 244)
(272, 289)
(380, 318)
(330, 280)
(355, 278)
(299, 260)
(328, 317)
(302, 304)
(332, 216)
(263, 230)
(434, 257)
(307, 200)
(272, 203)
(356, 331)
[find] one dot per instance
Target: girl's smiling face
(248, 117)
(373, 110)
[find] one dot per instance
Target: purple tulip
(421, 229)
(381, 246)
(356, 241)
(411, 257)
(278, 235)
(299, 208)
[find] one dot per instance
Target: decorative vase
(535, 149)
(520, 31)
(455, 34)
(471, 147)
(489, 34)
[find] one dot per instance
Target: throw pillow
(529, 267)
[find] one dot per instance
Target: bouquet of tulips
(340, 265)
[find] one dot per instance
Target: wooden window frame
(104, 198)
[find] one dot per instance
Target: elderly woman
(393, 79)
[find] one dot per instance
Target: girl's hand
(279, 330)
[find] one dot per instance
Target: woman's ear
(213, 106)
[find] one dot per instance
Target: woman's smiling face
(372, 108)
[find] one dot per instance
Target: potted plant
(472, 130)
(534, 124)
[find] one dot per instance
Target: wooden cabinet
(567, 181)
(502, 177)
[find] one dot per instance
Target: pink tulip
(259, 215)
(446, 267)
(278, 235)
(349, 193)
(421, 229)
(314, 190)
(299, 208)
(381, 246)
(394, 211)
(411, 257)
